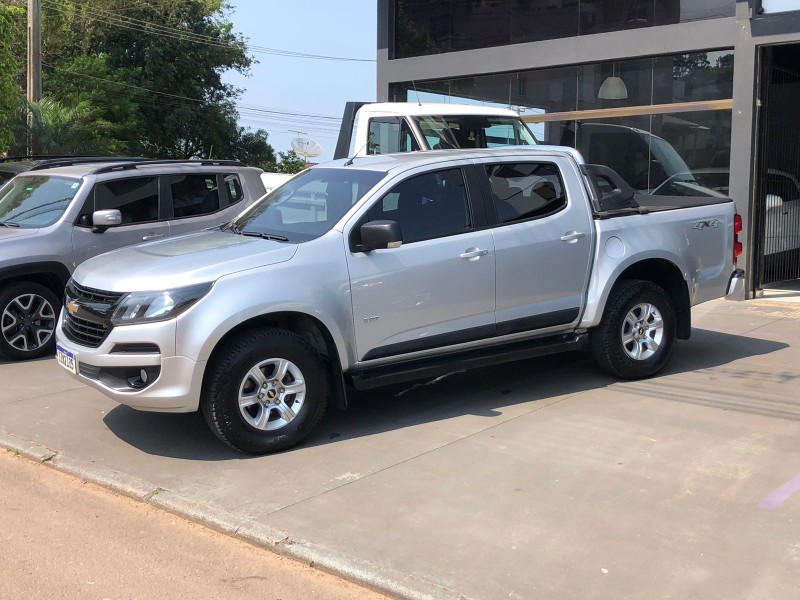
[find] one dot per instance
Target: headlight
(145, 307)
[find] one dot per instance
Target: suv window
(525, 190)
(390, 134)
(136, 198)
(193, 195)
(235, 193)
(32, 201)
(426, 206)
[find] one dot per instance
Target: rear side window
(135, 198)
(523, 191)
(235, 193)
(193, 195)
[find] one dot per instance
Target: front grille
(87, 320)
(85, 332)
(92, 295)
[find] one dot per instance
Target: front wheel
(265, 391)
(634, 339)
(28, 314)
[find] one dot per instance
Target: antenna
(416, 92)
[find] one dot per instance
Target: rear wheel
(265, 391)
(636, 335)
(28, 314)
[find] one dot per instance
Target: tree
(290, 163)
(152, 69)
(10, 92)
(252, 148)
(59, 128)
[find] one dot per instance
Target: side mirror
(103, 219)
(378, 235)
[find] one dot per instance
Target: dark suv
(56, 214)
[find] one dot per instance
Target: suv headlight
(146, 307)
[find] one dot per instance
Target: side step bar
(421, 368)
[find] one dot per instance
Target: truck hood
(9, 233)
(177, 262)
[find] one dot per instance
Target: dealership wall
(690, 83)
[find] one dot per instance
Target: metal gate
(777, 201)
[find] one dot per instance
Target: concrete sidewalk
(541, 479)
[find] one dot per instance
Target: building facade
(688, 97)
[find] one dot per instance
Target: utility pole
(34, 50)
(34, 61)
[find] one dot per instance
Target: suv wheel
(27, 321)
(265, 391)
(635, 338)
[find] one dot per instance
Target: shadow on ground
(479, 392)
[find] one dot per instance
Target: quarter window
(523, 191)
(235, 193)
(135, 198)
(194, 195)
(426, 206)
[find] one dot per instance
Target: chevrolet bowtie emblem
(72, 307)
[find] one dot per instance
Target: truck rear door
(544, 239)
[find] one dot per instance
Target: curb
(379, 579)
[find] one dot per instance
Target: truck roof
(431, 108)
(407, 160)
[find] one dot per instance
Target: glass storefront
(664, 123)
(423, 27)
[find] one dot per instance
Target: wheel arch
(52, 275)
(310, 328)
(666, 274)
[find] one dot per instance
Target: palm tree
(58, 128)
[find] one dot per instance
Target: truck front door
(435, 290)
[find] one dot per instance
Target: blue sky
(296, 85)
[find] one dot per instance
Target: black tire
(231, 374)
(610, 350)
(28, 316)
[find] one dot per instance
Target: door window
(426, 206)
(523, 191)
(390, 134)
(135, 198)
(194, 195)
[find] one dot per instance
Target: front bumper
(171, 383)
(736, 284)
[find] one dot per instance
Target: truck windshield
(308, 205)
(472, 131)
(33, 201)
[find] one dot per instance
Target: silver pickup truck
(375, 270)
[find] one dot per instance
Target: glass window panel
(193, 195)
(615, 84)
(693, 77)
(694, 10)
(424, 27)
(428, 206)
(600, 16)
(135, 198)
(525, 190)
(535, 21)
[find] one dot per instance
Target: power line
(149, 28)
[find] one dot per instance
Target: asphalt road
(64, 538)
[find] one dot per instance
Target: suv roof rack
(135, 164)
(66, 161)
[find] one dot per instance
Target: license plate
(67, 359)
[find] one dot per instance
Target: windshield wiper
(9, 224)
(267, 236)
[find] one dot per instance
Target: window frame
(404, 126)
